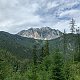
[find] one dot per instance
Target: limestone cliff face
(41, 33)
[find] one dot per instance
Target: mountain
(21, 47)
(18, 46)
(41, 33)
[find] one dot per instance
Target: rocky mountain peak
(41, 33)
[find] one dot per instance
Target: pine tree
(57, 72)
(72, 26)
(44, 51)
(42, 54)
(72, 31)
(64, 44)
(34, 77)
(66, 62)
(78, 45)
(46, 48)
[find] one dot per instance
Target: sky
(17, 15)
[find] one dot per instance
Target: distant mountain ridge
(44, 33)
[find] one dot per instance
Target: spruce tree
(73, 46)
(42, 54)
(46, 48)
(73, 39)
(65, 61)
(34, 77)
(64, 44)
(72, 26)
(78, 44)
(57, 69)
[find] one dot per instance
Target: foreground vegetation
(46, 66)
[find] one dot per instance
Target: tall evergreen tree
(34, 77)
(42, 54)
(57, 72)
(78, 44)
(45, 54)
(64, 44)
(65, 61)
(46, 48)
(72, 26)
(73, 42)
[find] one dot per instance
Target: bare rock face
(44, 33)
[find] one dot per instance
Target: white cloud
(4, 23)
(70, 13)
(62, 25)
(16, 15)
(52, 5)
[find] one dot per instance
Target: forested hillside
(29, 59)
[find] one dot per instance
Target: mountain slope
(19, 46)
(22, 46)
